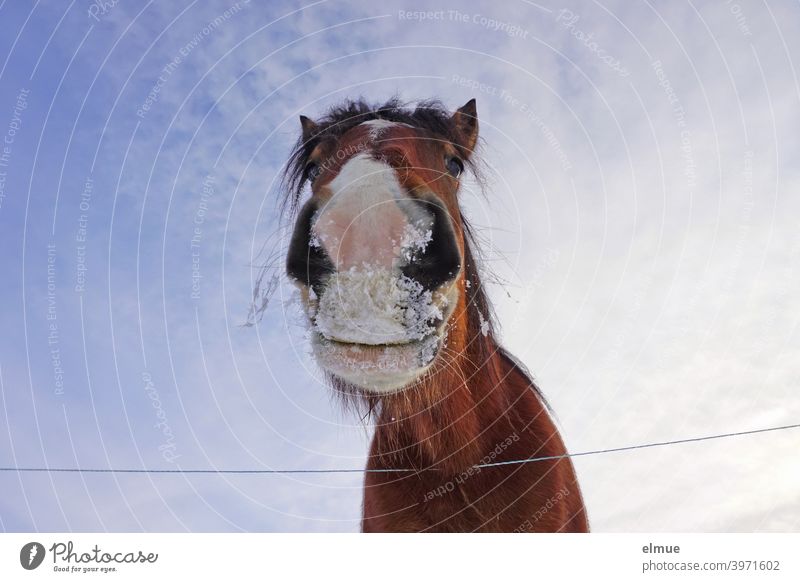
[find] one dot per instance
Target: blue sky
(640, 215)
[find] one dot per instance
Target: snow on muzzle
(375, 306)
(380, 289)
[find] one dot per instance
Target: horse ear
(466, 121)
(309, 128)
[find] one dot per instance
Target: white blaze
(377, 126)
(369, 228)
(367, 217)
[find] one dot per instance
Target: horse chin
(378, 369)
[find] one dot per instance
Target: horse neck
(449, 423)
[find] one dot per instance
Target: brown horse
(386, 266)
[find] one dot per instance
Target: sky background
(641, 218)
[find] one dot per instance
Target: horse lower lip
(398, 344)
(365, 365)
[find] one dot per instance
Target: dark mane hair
(430, 115)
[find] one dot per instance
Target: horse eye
(455, 166)
(312, 171)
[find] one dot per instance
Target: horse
(388, 276)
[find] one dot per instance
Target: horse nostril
(307, 262)
(440, 261)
